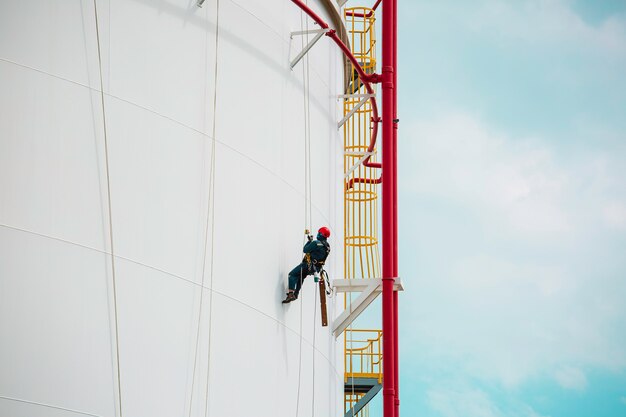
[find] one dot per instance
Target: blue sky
(513, 208)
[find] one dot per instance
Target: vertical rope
(313, 359)
(306, 218)
(308, 209)
(210, 204)
(212, 201)
(310, 199)
(108, 179)
(299, 354)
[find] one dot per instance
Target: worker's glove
(310, 238)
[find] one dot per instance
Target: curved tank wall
(147, 227)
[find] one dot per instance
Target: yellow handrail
(363, 354)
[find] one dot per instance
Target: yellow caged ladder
(363, 348)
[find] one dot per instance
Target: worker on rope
(315, 254)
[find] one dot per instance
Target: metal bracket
(319, 34)
(199, 3)
(340, 3)
(359, 285)
(369, 289)
(364, 98)
(374, 388)
(359, 162)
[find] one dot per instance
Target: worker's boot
(290, 297)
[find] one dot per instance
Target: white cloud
(571, 378)
(516, 179)
(534, 292)
(461, 400)
(542, 22)
(462, 403)
(515, 271)
(615, 215)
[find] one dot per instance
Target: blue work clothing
(318, 251)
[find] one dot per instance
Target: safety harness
(318, 263)
(323, 261)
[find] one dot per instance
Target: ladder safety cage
(362, 266)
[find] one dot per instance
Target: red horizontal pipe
(365, 79)
(350, 183)
(368, 15)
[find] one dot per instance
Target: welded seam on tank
(209, 201)
(141, 106)
(212, 208)
(56, 407)
(8, 61)
(19, 229)
(182, 124)
(279, 35)
(60, 239)
(237, 151)
(108, 178)
(294, 331)
(321, 78)
(187, 280)
(212, 137)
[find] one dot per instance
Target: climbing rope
(209, 225)
(307, 67)
(308, 208)
(313, 350)
(211, 221)
(108, 180)
(306, 217)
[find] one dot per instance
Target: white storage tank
(159, 162)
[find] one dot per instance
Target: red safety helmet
(324, 231)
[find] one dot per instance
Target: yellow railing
(360, 24)
(351, 399)
(363, 348)
(363, 354)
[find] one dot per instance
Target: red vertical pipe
(396, 341)
(388, 212)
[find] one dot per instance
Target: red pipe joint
(374, 78)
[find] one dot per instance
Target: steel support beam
(363, 100)
(319, 33)
(358, 406)
(369, 289)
